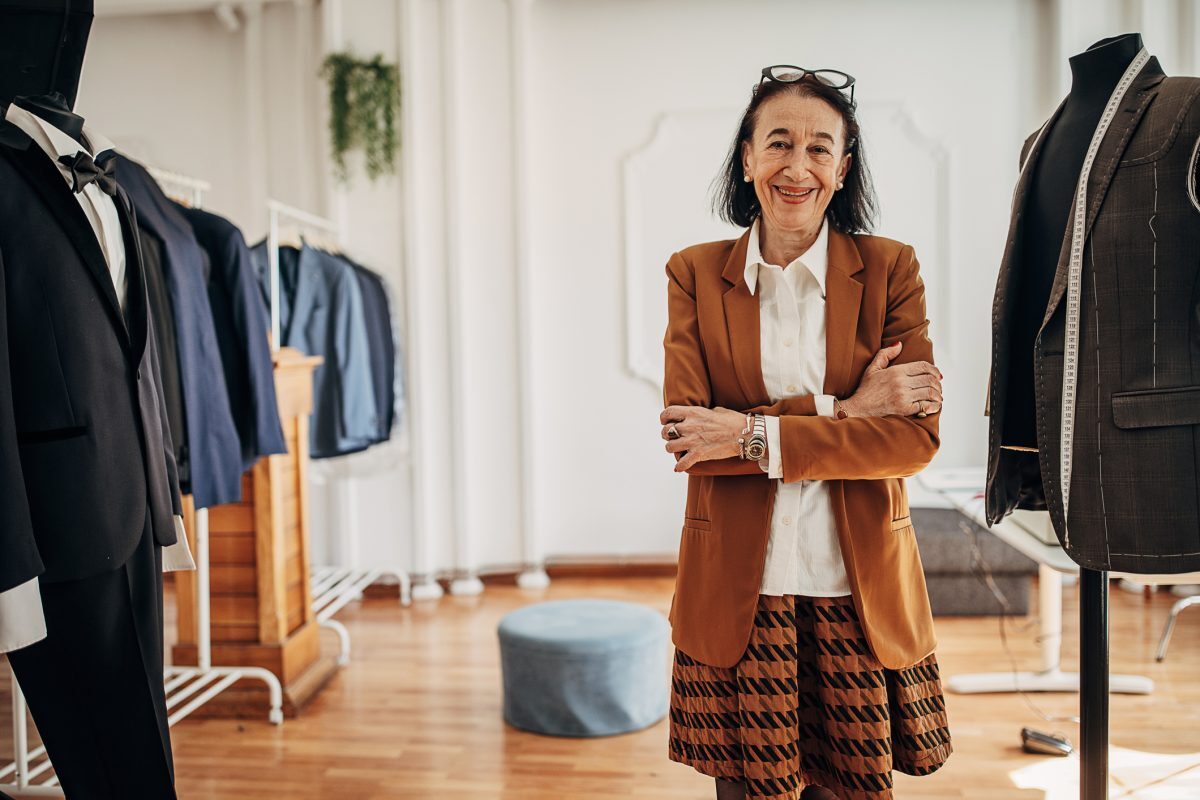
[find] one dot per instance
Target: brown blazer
(875, 296)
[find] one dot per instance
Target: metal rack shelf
(334, 587)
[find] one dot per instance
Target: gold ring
(921, 410)
(672, 433)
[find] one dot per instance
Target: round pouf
(584, 667)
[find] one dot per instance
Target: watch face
(755, 450)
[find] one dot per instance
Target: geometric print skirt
(808, 704)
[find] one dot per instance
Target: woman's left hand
(702, 434)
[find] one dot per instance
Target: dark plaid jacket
(1135, 487)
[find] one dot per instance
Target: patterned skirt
(808, 704)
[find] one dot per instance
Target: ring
(921, 410)
(672, 433)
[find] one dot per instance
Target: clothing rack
(187, 688)
(333, 587)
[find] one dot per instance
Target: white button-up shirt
(803, 554)
(21, 619)
(99, 208)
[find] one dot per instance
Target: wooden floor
(417, 715)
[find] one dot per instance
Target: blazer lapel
(843, 297)
(1130, 111)
(1017, 210)
(136, 295)
(742, 321)
(48, 183)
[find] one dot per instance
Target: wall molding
(936, 266)
(641, 361)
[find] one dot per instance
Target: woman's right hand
(903, 390)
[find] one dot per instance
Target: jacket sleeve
(19, 557)
(866, 448)
(685, 377)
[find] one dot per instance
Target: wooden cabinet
(261, 601)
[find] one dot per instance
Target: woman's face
(797, 159)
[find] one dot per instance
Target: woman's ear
(844, 170)
(747, 161)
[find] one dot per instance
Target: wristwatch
(756, 447)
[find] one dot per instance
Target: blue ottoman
(584, 667)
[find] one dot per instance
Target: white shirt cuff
(773, 463)
(21, 620)
(824, 405)
(178, 557)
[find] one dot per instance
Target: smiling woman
(800, 391)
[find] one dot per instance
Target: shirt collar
(54, 142)
(815, 259)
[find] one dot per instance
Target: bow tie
(84, 171)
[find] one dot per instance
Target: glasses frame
(805, 72)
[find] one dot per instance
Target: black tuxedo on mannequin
(88, 486)
(84, 386)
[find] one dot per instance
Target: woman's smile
(794, 195)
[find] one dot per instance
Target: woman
(800, 391)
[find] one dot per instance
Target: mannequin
(89, 496)
(1094, 73)
(1096, 347)
(1095, 387)
(54, 109)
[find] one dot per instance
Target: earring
(840, 185)
(748, 179)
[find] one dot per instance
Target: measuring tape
(1074, 281)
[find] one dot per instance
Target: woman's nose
(799, 164)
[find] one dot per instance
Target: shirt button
(787, 342)
(787, 520)
(792, 388)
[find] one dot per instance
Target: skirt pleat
(808, 704)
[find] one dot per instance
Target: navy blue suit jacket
(378, 317)
(213, 450)
(242, 328)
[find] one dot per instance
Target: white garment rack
(187, 688)
(332, 587)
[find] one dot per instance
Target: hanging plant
(364, 100)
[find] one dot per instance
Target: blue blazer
(242, 328)
(213, 450)
(387, 381)
(321, 313)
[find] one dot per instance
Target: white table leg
(1050, 678)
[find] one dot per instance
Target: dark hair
(852, 209)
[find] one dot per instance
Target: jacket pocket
(902, 523)
(697, 524)
(1157, 408)
(51, 435)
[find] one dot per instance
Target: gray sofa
(955, 574)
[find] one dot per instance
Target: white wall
(554, 153)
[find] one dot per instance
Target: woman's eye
(820, 149)
(777, 146)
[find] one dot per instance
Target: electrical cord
(981, 571)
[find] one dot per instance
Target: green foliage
(364, 100)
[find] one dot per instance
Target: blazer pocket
(695, 523)
(902, 523)
(51, 435)
(1157, 408)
